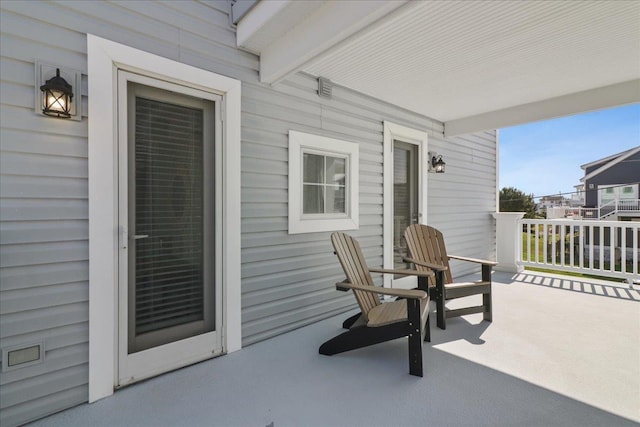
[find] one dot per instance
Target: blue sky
(545, 157)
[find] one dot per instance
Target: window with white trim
(323, 184)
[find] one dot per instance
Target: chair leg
(415, 337)
(440, 308)
(486, 302)
(427, 327)
(439, 297)
(441, 315)
(486, 298)
(415, 354)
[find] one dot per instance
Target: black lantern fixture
(56, 97)
(437, 164)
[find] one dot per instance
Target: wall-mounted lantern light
(437, 164)
(57, 96)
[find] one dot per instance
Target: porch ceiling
(473, 65)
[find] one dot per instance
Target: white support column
(508, 237)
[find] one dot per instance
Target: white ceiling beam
(315, 33)
(575, 103)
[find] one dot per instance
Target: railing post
(508, 241)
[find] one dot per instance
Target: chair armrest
(478, 261)
(437, 267)
(402, 272)
(403, 293)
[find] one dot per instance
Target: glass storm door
(169, 303)
(405, 203)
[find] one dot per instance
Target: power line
(574, 192)
(597, 189)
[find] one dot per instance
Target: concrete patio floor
(560, 352)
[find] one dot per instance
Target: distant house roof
(552, 198)
(607, 162)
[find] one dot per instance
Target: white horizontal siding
(17, 209)
(24, 277)
(462, 200)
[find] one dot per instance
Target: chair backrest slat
(426, 243)
(355, 268)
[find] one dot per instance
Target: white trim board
(393, 131)
(575, 103)
(104, 59)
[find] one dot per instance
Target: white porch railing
(606, 248)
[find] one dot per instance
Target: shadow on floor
(573, 284)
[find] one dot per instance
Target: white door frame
(105, 58)
(393, 131)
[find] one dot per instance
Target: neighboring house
(552, 202)
(612, 188)
(613, 185)
(219, 174)
(577, 198)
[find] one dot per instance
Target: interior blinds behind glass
(169, 210)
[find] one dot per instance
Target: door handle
(124, 237)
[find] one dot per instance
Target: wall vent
(324, 87)
(20, 356)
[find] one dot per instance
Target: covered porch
(555, 354)
(561, 351)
